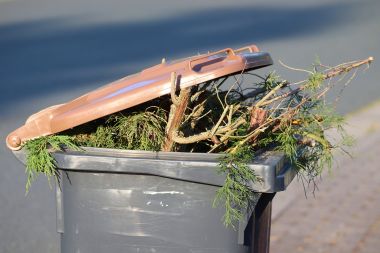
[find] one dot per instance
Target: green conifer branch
(39, 159)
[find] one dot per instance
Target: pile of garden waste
(239, 116)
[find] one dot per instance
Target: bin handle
(230, 54)
(251, 49)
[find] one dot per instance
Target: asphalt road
(52, 51)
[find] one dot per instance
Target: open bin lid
(132, 90)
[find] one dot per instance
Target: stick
(331, 73)
(177, 113)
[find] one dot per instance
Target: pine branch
(39, 159)
(335, 71)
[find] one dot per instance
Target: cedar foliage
(39, 158)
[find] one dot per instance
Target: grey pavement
(344, 213)
(52, 51)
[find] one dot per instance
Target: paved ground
(52, 51)
(344, 215)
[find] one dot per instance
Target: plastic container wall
(140, 201)
(142, 214)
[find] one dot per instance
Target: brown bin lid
(136, 89)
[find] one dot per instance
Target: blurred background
(53, 51)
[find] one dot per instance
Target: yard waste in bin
(133, 201)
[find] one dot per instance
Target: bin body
(104, 212)
(138, 201)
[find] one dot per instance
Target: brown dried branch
(174, 80)
(226, 126)
(207, 134)
(177, 112)
(335, 71)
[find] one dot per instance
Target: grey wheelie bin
(112, 201)
(138, 201)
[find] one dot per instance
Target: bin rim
(135, 89)
(276, 173)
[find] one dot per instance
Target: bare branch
(177, 112)
(173, 78)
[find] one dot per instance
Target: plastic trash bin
(134, 201)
